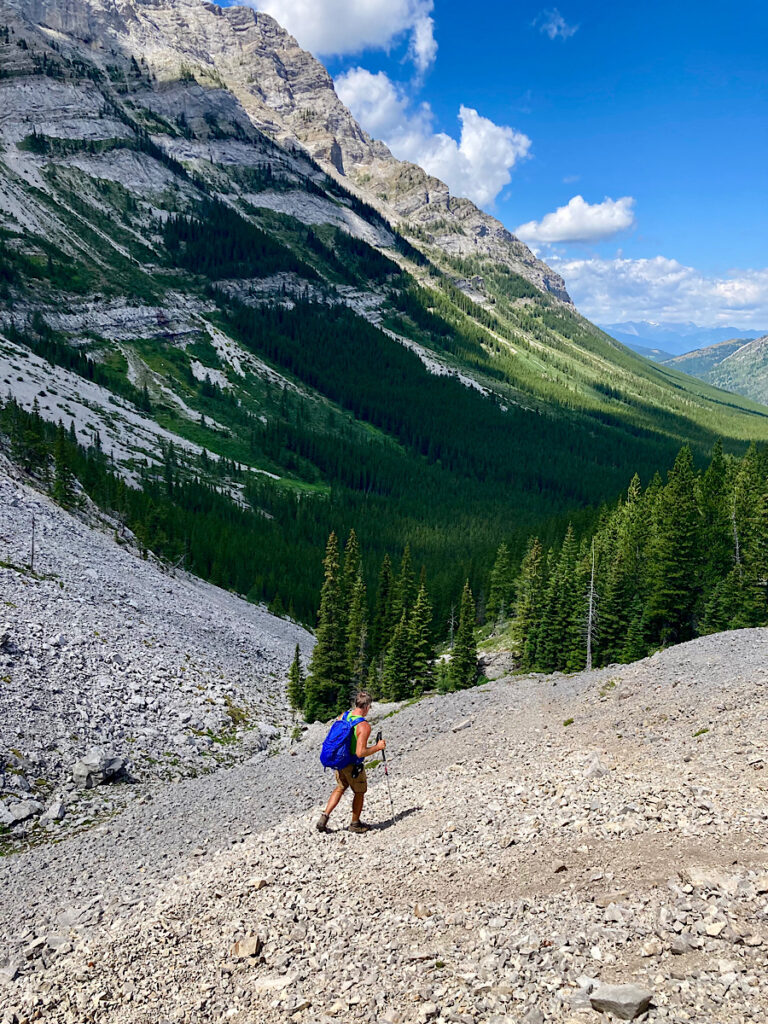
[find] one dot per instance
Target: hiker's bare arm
(363, 735)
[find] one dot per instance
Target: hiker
(350, 771)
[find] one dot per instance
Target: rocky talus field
(114, 665)
(565, 849)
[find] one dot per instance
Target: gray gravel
(101, 650)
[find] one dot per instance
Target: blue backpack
(337, 747)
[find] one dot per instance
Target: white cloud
(478, 166)
(580, 221)
(553, 24)
(336, 27)
(662, 289)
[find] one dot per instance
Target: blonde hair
(363, 699)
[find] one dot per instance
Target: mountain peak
(289, 95)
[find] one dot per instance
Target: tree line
(387, 646)
(669, 562)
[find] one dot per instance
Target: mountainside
(100, 648)
(221, 322)
(613, 833)
(289, 95)
(739, 365)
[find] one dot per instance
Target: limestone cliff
(288, 94)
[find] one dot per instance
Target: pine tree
(296, 694)
(63, 480)
(327, 685)
(559, 641)
(405, 588)
(352, 567)
(531, 586)
(501, 587)
(357, 634)
(397, 664)
(463, 669)
(635, 645)
(716, 520)
(674, 569)
(420, 642)
(380, 628)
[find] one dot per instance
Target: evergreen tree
(635, 645)
(463, 669)
(382, 614)
(675, 556)
(716, 522)
(559, 640)
(327, 685)
(501, 587)
(405, 588)
(296, 695)
(357, 634)
(63, 480)
(531, 586)
(353, 567)
(397, 664)
(420, 642)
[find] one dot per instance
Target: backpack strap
(355, 722)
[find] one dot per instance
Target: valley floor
(551, 833)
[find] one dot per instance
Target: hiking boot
(359, 827)
(322, 823)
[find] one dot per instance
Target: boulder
(595, 769)
(55, 811)
(624, 1001)
(97, 767)
(247, 948)
(22, 810)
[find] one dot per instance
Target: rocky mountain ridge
(290, 96)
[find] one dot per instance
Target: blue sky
(628, 143)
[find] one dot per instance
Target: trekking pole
(386, 776)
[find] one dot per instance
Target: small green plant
(237, 715)
(568, 721)
(700, 732)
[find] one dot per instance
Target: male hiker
(344, 749)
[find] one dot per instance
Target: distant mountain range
(739, 365)
(662, 341)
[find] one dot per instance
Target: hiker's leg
(357, 806)
(334, 798)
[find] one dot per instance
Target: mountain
(256, 326)
(289, 95)
(739, 365)
(672, 338)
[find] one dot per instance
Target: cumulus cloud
(477, 166)
(554, 25)
(662, 289)
(580, 221)
(338, 27)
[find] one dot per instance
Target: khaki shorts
(344, 778)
